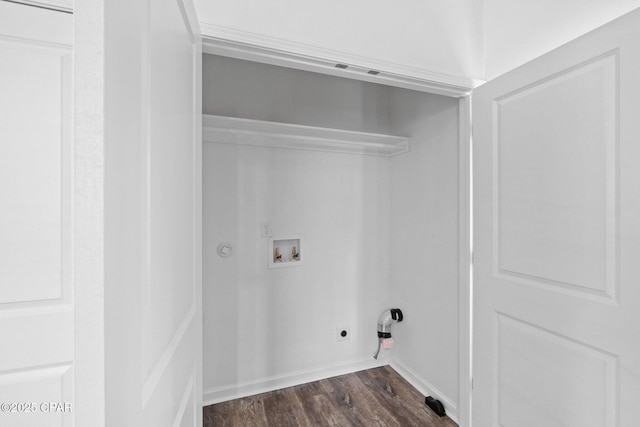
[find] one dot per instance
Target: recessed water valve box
(286, 251)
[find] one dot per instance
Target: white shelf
(232, 130)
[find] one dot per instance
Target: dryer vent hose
(386, 319)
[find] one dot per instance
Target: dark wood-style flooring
(375, 397)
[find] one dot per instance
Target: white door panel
(554, 184)
(171, 338)
(138, 149)
(557, 237)
(36, 282)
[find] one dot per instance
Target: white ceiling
(458, 42)
(462, 39)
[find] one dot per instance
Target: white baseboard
(263, 385)
(426, 388)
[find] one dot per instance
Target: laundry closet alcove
(369, 175)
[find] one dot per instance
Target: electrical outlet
(265, 229)
(343, 333)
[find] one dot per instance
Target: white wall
(517, 32)
(424, 243)
(266, 92)
(260, 322)
(274, 327)
(438, 36)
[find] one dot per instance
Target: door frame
(465, 261)
(90, 173)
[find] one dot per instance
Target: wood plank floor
(375, 397)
